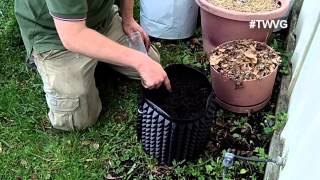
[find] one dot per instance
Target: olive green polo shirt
(35, 19)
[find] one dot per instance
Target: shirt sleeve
(68, 10)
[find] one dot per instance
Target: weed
(274, 122)
(285, 65)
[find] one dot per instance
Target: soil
(239, 135)
(244, 60)
(252, 6)
(188, 98)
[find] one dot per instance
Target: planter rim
(250, 80)
(186, 120)
(244, 16)
(181, 120)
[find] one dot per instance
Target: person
(66, 39)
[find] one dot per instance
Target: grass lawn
(31, 149)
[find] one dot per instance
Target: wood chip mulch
(252, 6)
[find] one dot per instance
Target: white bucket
(169, 19)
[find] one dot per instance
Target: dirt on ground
(239, 135)
(252, 6)
(244, 60)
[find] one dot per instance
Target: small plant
(190, 59)
(261, 152)
(284, 67)
(274, 122)
(286, 63)
(262, 155)
(241, 124)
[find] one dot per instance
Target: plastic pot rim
(244, 16)
(183, 65)
(167, 116)
(162, 112)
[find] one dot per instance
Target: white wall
(302, 131)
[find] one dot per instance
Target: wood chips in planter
(244, 60)
(252, 6)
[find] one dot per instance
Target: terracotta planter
(250, 96)
(220, 25)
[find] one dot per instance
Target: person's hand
(130, 25)
(152, 74)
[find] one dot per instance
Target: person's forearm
(126, 9)
(77, 37)
(93, 44)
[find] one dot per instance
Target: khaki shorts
(69, 83)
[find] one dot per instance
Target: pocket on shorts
(62, 110)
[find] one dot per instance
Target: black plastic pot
(172, 127)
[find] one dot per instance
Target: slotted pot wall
(167, 138)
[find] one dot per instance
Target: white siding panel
(302, 131)
(304, 31)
